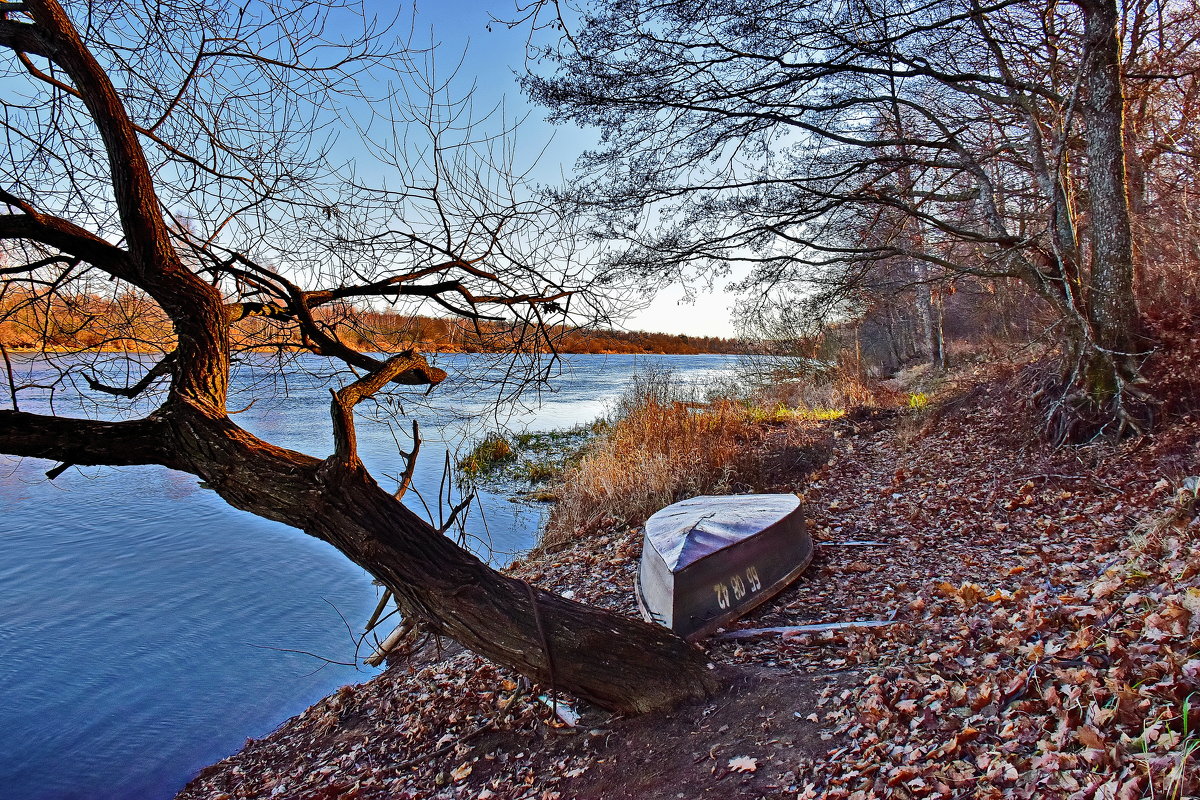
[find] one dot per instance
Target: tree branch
(23, 37)
(195, 308)
(159, 370)
(407, 367)
(67, 237)
(410, 462)
(84, 441)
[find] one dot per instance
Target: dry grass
(665, 447)
(839, 388)
(659, 453)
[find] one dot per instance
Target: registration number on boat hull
(736, 587)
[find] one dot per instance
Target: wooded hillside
(47, 321)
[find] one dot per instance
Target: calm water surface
(147, 629)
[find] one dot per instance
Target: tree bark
(1111, 302)
(929, 314)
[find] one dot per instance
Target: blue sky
(492, 59)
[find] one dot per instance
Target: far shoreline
(60, 350)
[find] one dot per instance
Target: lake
(147, 629)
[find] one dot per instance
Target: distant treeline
(132, 322)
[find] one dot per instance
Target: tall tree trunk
(890, 339)
(930, 317)
(1111, 303)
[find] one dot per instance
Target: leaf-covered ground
(1045, 610)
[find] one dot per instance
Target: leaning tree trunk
(614, 661)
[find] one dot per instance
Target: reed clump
(532, 458)
(659, 454)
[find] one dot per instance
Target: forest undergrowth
(1044, 638)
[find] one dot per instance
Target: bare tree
(184, 150)
(812, 142)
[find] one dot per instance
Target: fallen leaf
(1089, 737)
(743, 764)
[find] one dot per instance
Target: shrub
(918, 401)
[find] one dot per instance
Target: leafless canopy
(307, 161)
(188, 152)
(832, 147)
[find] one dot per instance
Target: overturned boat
(709, 560)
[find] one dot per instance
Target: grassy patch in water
(532, 458)
(489, 454)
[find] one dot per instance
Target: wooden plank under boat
(709, 560)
